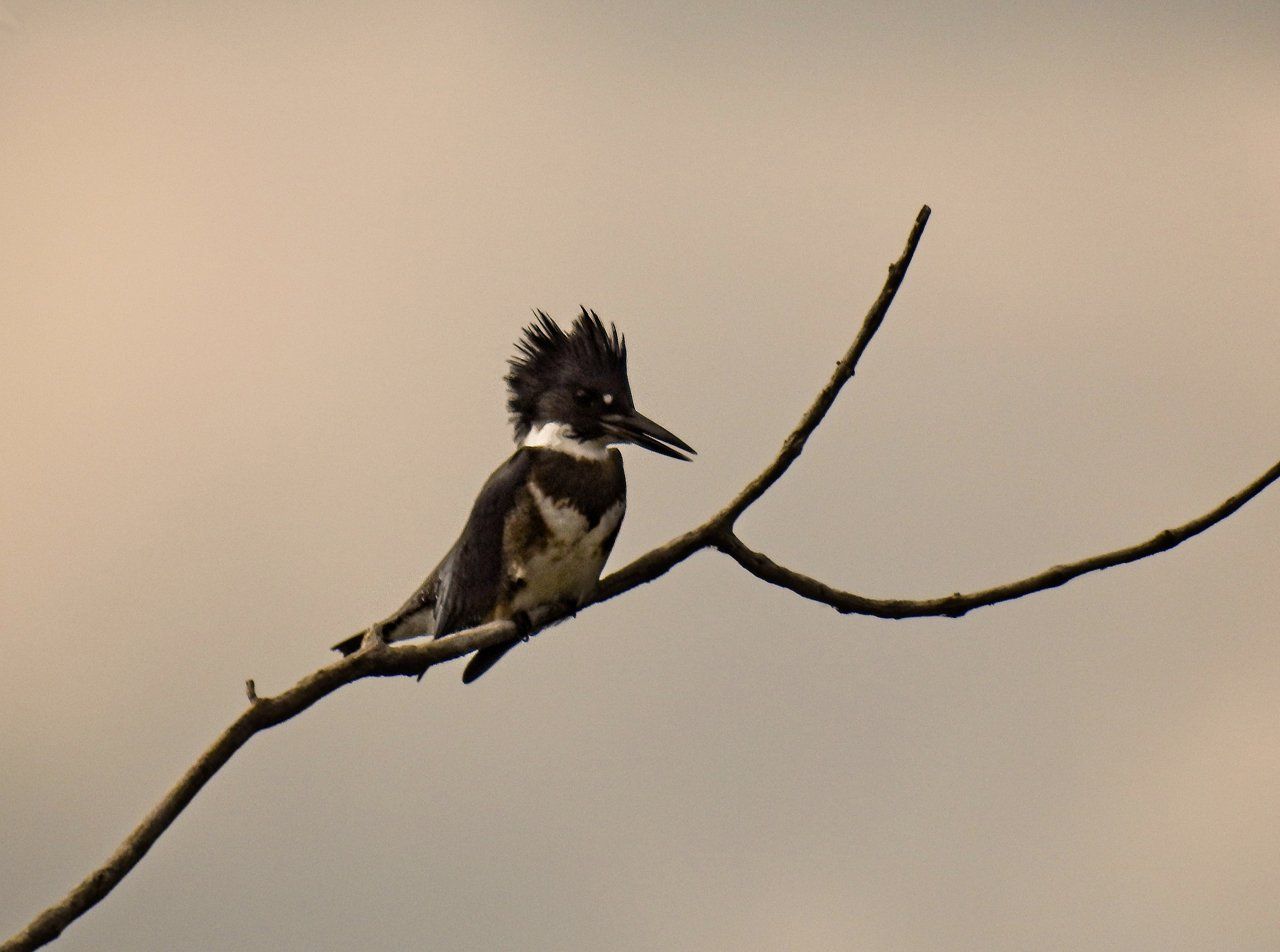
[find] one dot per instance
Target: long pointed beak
(639, 429)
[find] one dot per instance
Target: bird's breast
(555, 553)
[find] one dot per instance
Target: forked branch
(411, 658)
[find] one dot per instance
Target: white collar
(559, 437)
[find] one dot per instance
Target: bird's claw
(523, 623)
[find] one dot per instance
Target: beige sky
(263, 266)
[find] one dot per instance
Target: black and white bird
(545, 521)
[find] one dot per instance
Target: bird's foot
(523, 623)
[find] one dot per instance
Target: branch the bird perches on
(377, 659)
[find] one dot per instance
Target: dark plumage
(545, 521)
(552, 367)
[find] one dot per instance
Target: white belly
(568, 566)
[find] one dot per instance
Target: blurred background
(263, 266)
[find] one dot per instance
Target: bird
(545, 521)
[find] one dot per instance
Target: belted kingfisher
(545, 521)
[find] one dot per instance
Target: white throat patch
(558, 437)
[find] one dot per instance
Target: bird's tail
(480, 662)
(410, 621)
(350, 645)
(486, 658)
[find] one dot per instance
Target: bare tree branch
(409, 658)
(660, 560)
(376, 659)
(954, 606)
(793, 446)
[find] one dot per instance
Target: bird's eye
(583, 398)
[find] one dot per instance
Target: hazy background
(263, 265)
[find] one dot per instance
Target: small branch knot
(373, 640)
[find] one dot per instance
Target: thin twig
(793, 446)
(659, 561)
(954, 606)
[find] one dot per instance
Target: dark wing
(486, 658)
(464, 588)
(472, 575)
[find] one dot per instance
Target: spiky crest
(548, 358)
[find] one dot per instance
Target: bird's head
(578, 381)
